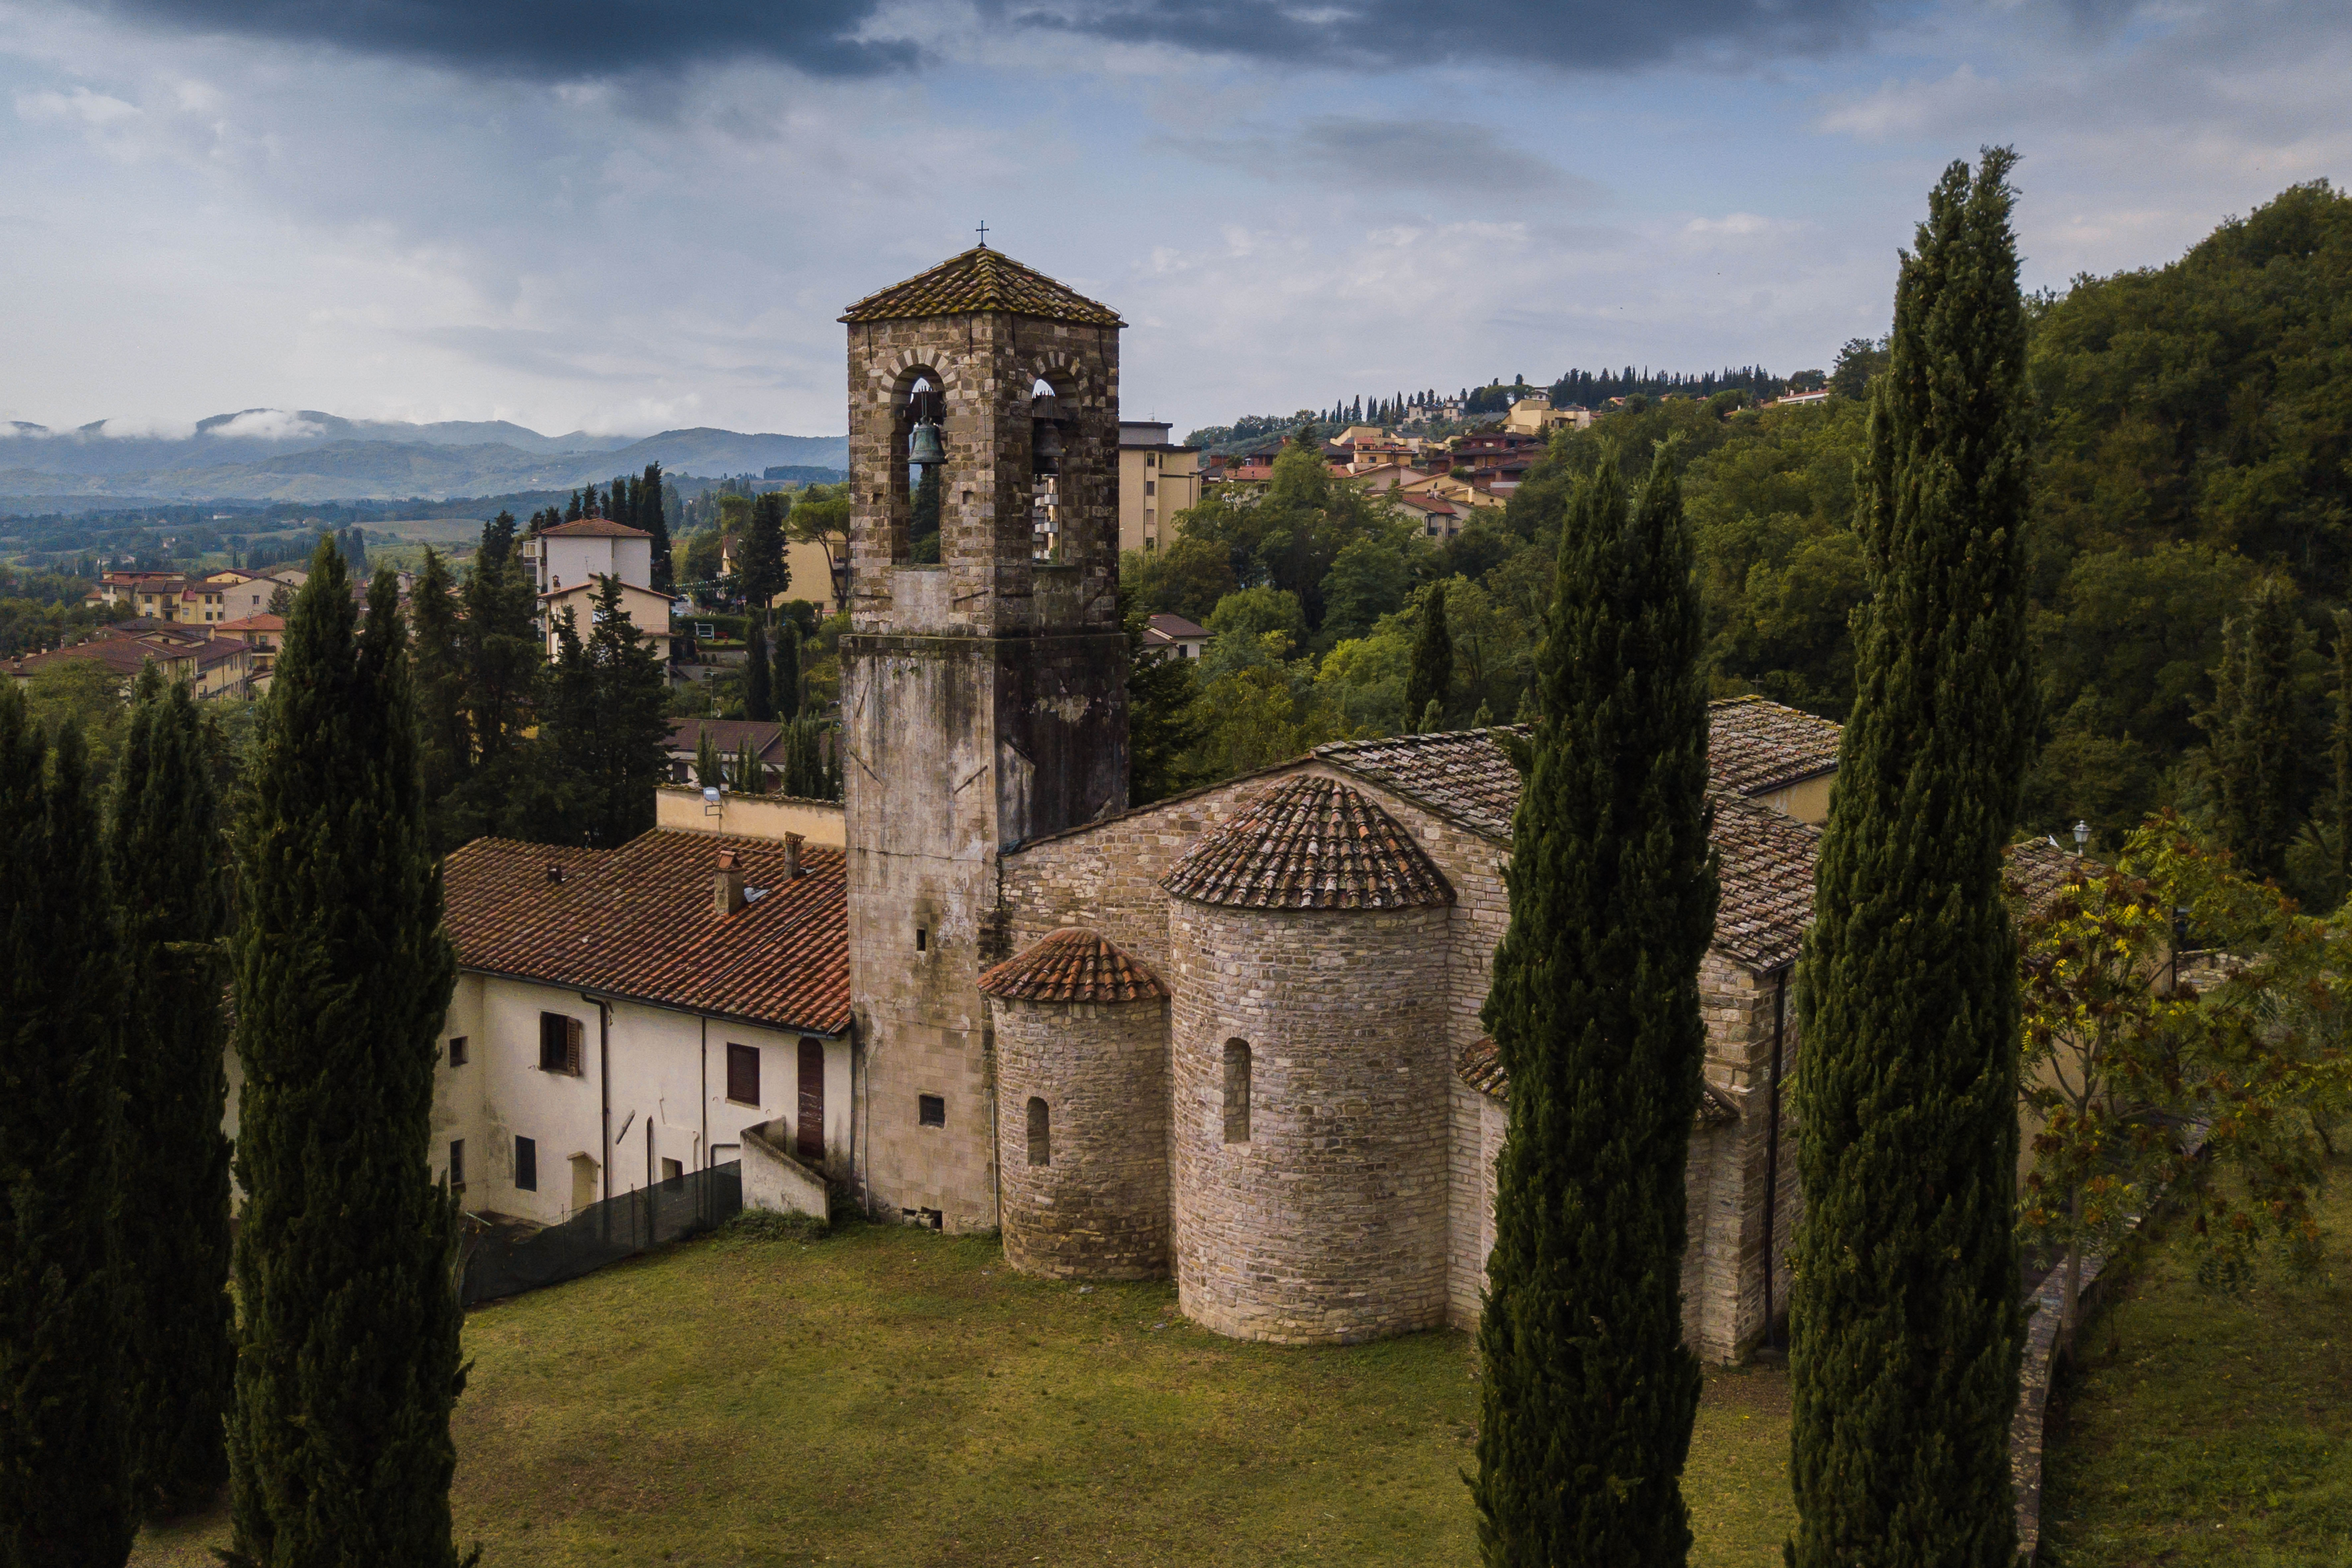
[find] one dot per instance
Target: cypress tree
(652, 517)
(1903, 1309)
(785, 689)
(751, 777)
(607, 736)
(1587, 1394)
(436, 664)
(167, 873)
(2256, 724)
(707, 768)
(1431, 677)
(65, 1495)
(757, 704)
(348, 1362)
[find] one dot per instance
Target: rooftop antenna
(983, 234)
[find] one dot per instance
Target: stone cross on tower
(983, 696)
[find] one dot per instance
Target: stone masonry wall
(983, 704)
(1098, 1208)
(1328, 1226)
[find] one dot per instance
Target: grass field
(2205, 1429)
(892, 1396)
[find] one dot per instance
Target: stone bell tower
(983, 692)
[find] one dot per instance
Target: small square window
(456, 1050)
(525, 1165)
(931, 1111)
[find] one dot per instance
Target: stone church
(1233, 1035)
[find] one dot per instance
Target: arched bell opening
(919, 477)
(1046, 510)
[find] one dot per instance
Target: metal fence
(508, 1261)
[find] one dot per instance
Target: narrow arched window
(926, 458)
(1045, 428)
(1237, 1091)
(1041, 1133)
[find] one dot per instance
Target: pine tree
(498, 537)
(785, 689)
(757, 704)
(653, 518)
(1162, 726)
(348, 1364)
(1903, 1305)
(165, 857)
(1587, 1394)
(2257, 725)
(575, 511)
(65, 1494)
(1431, 680)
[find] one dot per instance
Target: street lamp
(2082, 834)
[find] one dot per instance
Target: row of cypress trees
(1904, 1316)
(126, 1390)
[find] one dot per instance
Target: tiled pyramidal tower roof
(980, 280)
(1072, 965)
(1313, 844)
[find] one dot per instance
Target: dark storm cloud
(1388, 33)
(571, 38)
(552, 39)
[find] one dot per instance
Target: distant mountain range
(271, 455)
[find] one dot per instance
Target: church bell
(927, 452)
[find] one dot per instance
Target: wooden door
(808, 1138)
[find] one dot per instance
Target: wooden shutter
(808, 1136)
(743, 1073)
(573, 1032)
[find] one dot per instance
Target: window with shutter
(525, 1165)
(743, 1073)
(457, 1164)
(560, 1039)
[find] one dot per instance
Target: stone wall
(1327, 1224)
(1097, 1208)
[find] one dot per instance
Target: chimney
(791, 856)
(555, 871)
(727, 888)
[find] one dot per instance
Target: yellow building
(1157, 479)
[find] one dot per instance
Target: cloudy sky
(624, 216)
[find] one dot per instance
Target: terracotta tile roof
(1313, 844)
(982, 279)
(1072, 965)
(1463, 775)
(1753, 748)
(1755, 745)
(638, 922)
(727, 734)
(2035, 870)
(593, 528)
(263, 622)
(1764, 862)
(1480, 1066)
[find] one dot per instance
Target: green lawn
(892, 1396)
(2206, 1429)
